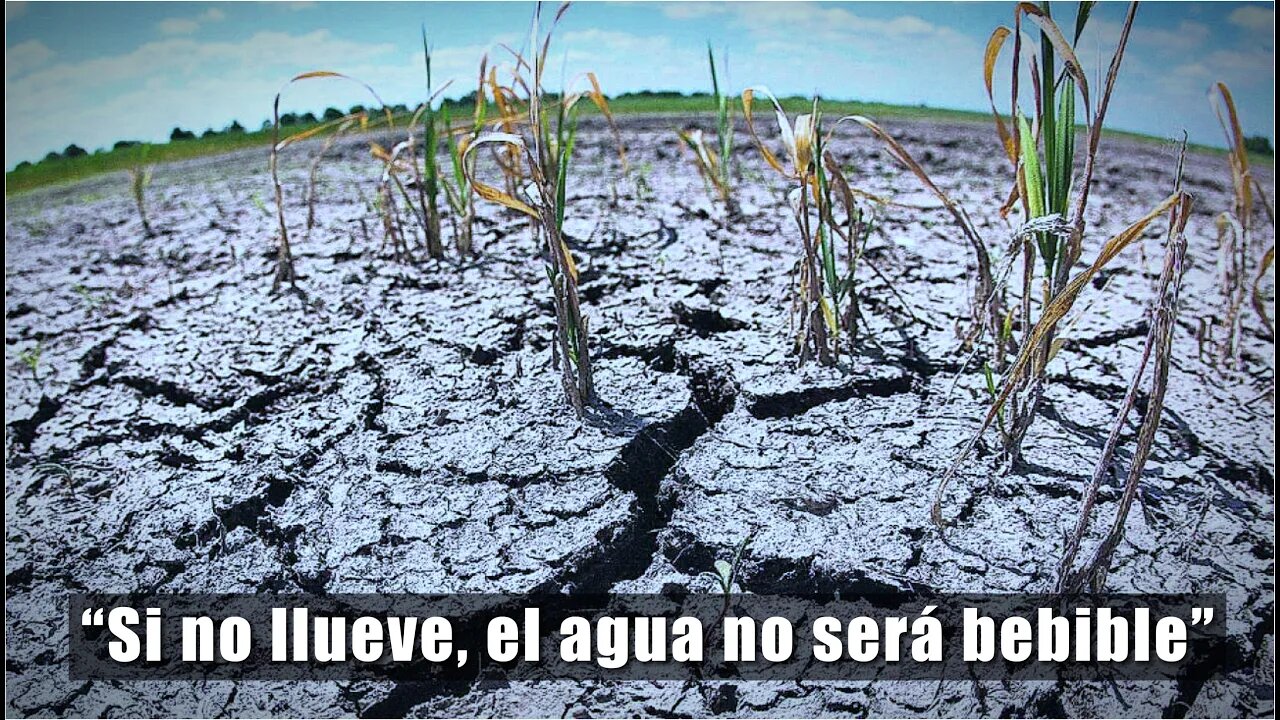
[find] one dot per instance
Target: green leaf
(1065, 141)
(426, 53)
(715, 83)
(430, 136)
(1031, 171)
(1048, 77)
(562, 166)
(829, 265)
(1033, 178)
(1082, 18)
(459, 170)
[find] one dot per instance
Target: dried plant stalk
(1030, 361)
(1259, 303)
(1235, 236)
(139, 178)
(344, 124)
(1159, 346)
(285, 273)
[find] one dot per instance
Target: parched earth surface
(400, 430)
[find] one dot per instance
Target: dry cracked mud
(398, 430)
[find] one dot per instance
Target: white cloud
(693, 10)
(144, 93)
(1254, 17)
(1189, 35)
(177, 26)
(806, 22)
(25, 56)
(619, 60)
(188, 25)
(1241, 68)
(805, 47)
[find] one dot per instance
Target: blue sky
(94, 73)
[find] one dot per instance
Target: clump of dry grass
(401, 173)
(534, 151)
(401, 162)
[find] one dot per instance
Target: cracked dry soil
(400, 431)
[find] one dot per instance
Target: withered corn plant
(285, 273)
(343, 125)
(986, 305)
(825, 307)
(139, 179)
(428, 180)
(714, 163)
(537, 140)
(510, 94)
(1259, 301)
(1043, 157)
(1156, 352)
(396, 162)
(400, 162)
(1042, 188)
(1236, 237)
(511, 120)
(461, 195)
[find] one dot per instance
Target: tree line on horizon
(1257, 144)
